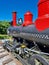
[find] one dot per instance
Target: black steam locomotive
(32, 37)
(30, 33)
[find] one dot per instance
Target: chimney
(14, 19)
(42, 22)
(43, 7)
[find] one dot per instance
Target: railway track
(6, 58)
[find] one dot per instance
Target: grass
(2, 36)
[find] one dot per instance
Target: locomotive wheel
(38, 60)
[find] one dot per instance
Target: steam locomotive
(30, 33)
(37, 32)
(32, 37)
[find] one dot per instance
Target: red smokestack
(43, 7)
(42, 22)
(14, 19)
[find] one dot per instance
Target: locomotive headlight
(20, 21)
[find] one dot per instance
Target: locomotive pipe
(14, 19)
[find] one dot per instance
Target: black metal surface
(30, 33)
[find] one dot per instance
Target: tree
(3, 27)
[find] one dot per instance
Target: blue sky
(20, 6)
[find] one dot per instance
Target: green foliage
(5, 36)
(3, 27)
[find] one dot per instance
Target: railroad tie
(7, 61)
(1, 56)
(2, 51)
(1, 47)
